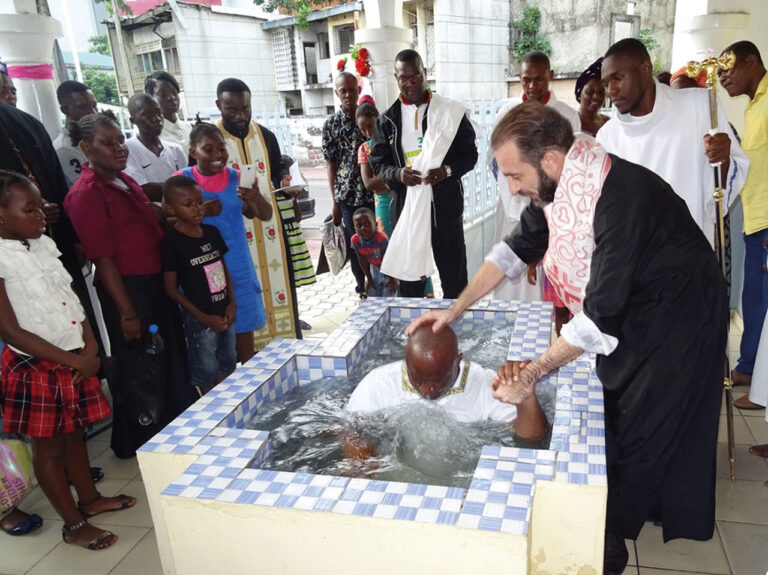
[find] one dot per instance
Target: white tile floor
(739, 547)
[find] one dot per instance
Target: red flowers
(361, 56)
(362, 67)
(362, 60)
(261, 165)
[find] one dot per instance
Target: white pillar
(421, 31)
(709, 26)
(384, 36)
(26, 45)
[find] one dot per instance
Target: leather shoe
(615, 556)
(744, 403)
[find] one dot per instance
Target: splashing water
(415, 443)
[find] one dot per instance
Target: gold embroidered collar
(407, 386)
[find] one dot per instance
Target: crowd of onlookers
(193, 233)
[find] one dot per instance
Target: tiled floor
(739, 547)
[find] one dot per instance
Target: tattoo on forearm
(560, 353)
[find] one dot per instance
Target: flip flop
(27, 525)
(126, 502)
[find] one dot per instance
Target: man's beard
(547, 188)
(238, 132)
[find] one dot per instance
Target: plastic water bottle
(155, 346)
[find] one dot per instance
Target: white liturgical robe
(670, 142)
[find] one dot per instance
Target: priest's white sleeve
(582, 332)
(502, 256)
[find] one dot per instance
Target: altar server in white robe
(535, 75)
(666, 131)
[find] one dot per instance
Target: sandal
(27, 525)
(94, 544)
(126, 501)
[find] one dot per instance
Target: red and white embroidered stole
(570, 218)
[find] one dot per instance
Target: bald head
(432, 360)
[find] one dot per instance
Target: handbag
(334, 245)
(15, 473)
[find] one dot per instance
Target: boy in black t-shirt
(197, 279)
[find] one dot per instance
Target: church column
(26, 46)
(384, 36)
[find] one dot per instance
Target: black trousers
(152, 306)
(448, 247)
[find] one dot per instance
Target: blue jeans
(210, 353)
(754, 298)
(347, 211)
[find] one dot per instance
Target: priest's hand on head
(717, 148)
(438, 318)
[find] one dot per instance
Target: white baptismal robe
(670, 142)
(470, 398)
(509, 207)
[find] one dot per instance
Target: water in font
(417, 443)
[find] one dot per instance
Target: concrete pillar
(384, 37)
(26, 45)
(703, 27)
(421, 31)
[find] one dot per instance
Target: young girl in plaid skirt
(48, 388)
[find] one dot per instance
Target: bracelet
(128, 318)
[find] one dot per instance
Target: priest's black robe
(655, 285)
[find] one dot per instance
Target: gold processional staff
(693, 69)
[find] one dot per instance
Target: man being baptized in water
(433, 370)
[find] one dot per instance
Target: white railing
(479, 185)
(277, 122)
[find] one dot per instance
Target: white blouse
(40, 292)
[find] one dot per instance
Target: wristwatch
(448, 171)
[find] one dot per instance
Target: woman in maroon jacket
(122, 234)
